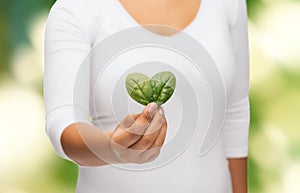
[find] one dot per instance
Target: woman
(75, 26)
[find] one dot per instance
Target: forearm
(238, 171)
(87, 145)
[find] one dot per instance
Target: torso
(188, 172)
(156, 15)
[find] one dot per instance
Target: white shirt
(81, 35)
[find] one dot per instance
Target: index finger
(129, 120)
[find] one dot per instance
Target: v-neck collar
(130, 20)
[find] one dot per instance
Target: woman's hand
(139, 137)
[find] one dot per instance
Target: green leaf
(138, 86)
(157, 89)
(163, 85)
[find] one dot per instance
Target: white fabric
(75, 26)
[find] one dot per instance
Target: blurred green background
(29, 165)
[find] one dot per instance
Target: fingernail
(152, 108)
(161, 111)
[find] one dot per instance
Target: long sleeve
(236, 125)
(66, 47)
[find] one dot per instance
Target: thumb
(147, 113)
(141, 123)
